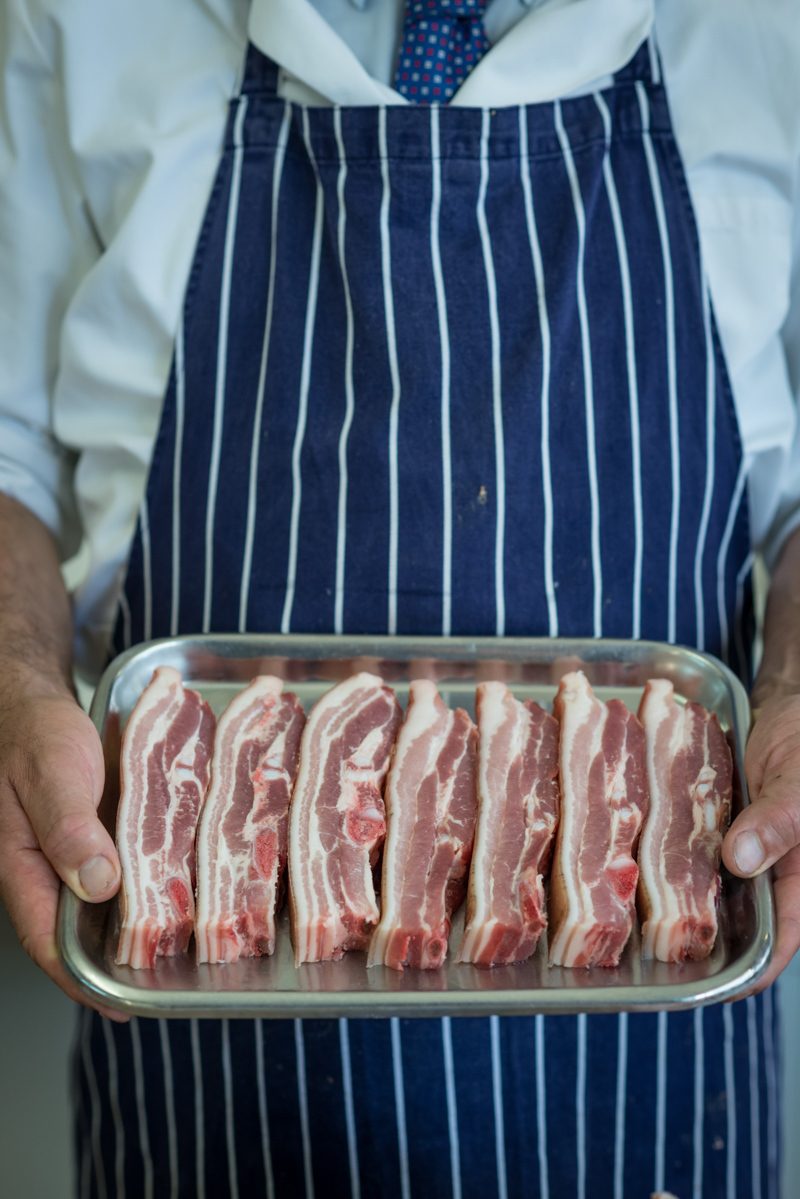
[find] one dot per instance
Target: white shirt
(112, 121)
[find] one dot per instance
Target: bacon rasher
(243, 833)
(518, 810)
(336, 818)
(603, 800)
(690, 773)
(431, 806)
(166, 750)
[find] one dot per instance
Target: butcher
(437, 317)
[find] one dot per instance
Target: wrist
(22, 680)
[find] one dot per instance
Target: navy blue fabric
(594, 484)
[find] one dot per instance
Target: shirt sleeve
(46, 247)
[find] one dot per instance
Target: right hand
(51, 782)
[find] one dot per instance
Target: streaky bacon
(603, 800)
(518, 811)
(690, 773)
(244, 825)
(166, 750)
(431, 805)
(337, 818)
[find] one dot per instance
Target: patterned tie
(442, 41)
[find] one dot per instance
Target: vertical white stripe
(452, 1106)
(722, 557)
(125, 608)
(661, 1101)
(349, 388)
(394, 371)
(147, 571)
(94, 1105)
(730, 1101)
(672, 386)
(180, 405)
(699, 1103)
(116, 1114)
(305, 383)
(199, 1114)
(302, 1095)
(169, 1104)
(544, 325)
(755, 1113)
(400, 1107)
(222, 356)
(580, 1105)
(622, 1096)
(258, 432)
(497, 384)
(655, 68)
(586, 354)
(708, 490)
(541, 1113)
(227, 1086)
(444, 344)
(771, 1071)
(497, 1094)
(349, 1110)
(141, 1108)
(630, 359)
(263, 1121)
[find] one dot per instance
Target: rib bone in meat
(336, 818)
(430, 813)
(164, 775)
(690, 774)
(518, 798)
(244, 826)
(603, 800)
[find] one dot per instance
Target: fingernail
(97, 876)
(748, 852)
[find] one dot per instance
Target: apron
(443, 370)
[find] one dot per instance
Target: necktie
(442, 42)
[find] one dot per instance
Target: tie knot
(432, 10)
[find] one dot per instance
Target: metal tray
(218, 666)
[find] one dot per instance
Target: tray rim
(735, 980)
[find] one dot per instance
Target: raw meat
(244, 826)
(518, 797)
(690, 774)
(431, 805)
(166, 752)
(337, 820)
(603, 800)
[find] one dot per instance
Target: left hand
(767, 832)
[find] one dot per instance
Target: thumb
(59, 783)
(766, 830)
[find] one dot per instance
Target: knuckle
(64, 834)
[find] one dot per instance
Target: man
(446, 362)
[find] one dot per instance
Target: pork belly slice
(690, 775)
(603, 801)
(166, 751)
(518, 811)
(337, 819)
(431, 805)
(244, 826)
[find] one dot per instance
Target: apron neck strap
(644, 67)
(260, 73)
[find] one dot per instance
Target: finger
(765, 830)
(59, 783)
(30, 891)
(786, 890)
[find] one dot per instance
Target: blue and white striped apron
(443, 370)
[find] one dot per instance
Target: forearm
(779, 672)
(35, 616)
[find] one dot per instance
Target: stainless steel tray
(218, 666)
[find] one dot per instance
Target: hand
(51, 781)
(767, 833)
